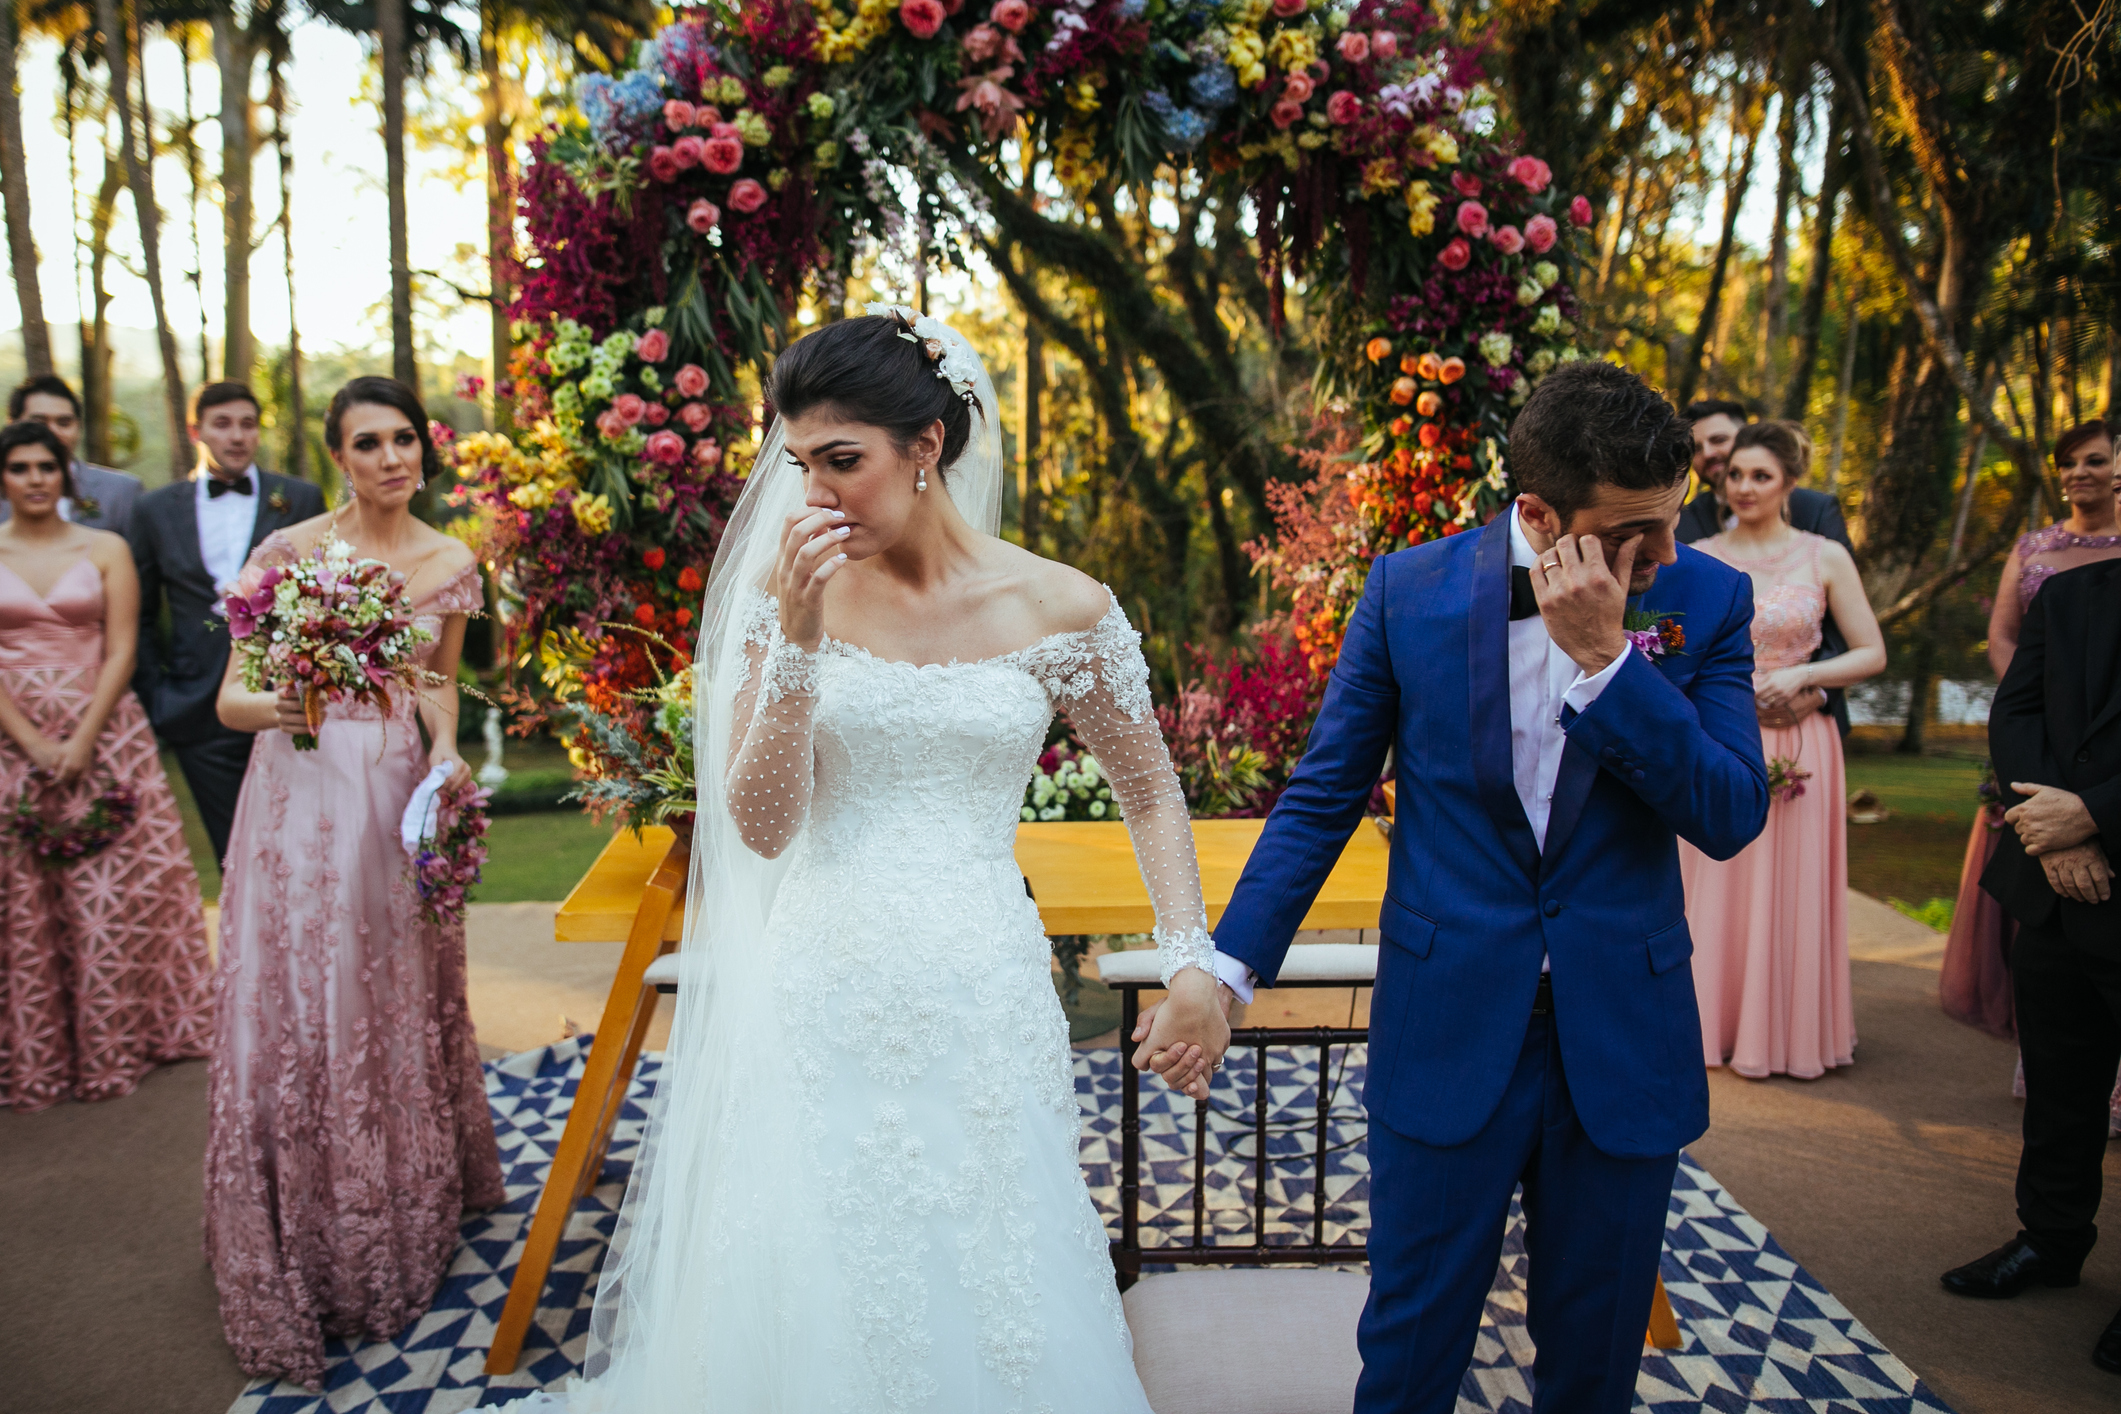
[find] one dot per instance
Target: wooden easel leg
(600, 1094)
(1664, 1326)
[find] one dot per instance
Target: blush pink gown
(1771, 960)
(104, 971)
(349, 1127)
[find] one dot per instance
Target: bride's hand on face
(809, 557)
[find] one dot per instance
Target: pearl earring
(921, 481)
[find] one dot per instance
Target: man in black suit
(2055, 734)
(1715, 422)
(189, 540)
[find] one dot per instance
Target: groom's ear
(1538, 516)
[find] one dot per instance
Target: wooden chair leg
(615, 1101)
(602, 1091)
(1664, 1326)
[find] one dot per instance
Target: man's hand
(1183, 1037)
(2050, 819)
(2080, 872)
(1583, 603)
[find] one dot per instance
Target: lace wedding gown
(898, 1220)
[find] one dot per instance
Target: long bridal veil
(715, 1260)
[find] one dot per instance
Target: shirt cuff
(1584, 691)
(1235, 975)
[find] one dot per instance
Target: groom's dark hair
(1591, 424)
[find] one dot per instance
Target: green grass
(1916, 852)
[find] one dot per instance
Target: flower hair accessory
(955, 362)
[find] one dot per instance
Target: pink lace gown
(349, 1127)
(1771, 960)
(104, 970)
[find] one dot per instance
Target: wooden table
(1083, 878)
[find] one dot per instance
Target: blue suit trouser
(1594, 1232)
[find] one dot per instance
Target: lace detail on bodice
(1789, 600)
(2045, 553)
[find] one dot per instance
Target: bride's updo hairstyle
(865, 370)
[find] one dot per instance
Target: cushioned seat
(1347, 963)
(663, 972)
(1297, 1355)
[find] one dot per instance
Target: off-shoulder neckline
(856, 651)
(287, 543)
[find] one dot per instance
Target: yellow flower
(1082, 94)
(1421, 208)
(1075, 163)
(1438, 143)
(534, 497)
(871, 20)
(1293, 50)
(1247, 50)
(1380, 177)
(592, 514)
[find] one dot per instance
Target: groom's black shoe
(2107, 1353)
(2008, 1270)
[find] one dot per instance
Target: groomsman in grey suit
(103, 499)
(189, 540)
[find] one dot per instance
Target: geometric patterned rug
(1759, 1335)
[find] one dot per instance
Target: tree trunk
(14, 192)
(197, 275)
(500, 212)
(1775, 311)
(297, 463)
(1689, 377)
(121, 43)
(1842, 387)
(1621, 210)
(1797, 396)
(236, 55)
(97, 354)
(1030, 484)
(390, 35)
(1913, 737)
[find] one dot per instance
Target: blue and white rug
(1758, 1333)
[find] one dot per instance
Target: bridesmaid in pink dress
(1771, 964)
(349, 1126)
(103, 961)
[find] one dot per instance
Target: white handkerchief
(419, 821)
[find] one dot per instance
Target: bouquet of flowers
(330, 626)
(1786, 778)
(634, 748)
(1068, 785)
(55, 846)
(452, 853)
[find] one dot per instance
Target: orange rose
(1401, 426)
(1453, 369)
(1409, 364)
(1430, 434)
(1431, 367)
(1378, 349)
(1429, 404)
(1403, 391)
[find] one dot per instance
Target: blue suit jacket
(1669, 749)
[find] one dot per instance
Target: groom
(1534, 1018)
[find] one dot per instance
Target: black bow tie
(1524, 604)
(215, 486)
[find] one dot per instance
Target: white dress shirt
(1542, 679)
(226, 522)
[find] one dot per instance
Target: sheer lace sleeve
(770, 759)
(1102, 681)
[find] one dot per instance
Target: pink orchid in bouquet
(451, 857)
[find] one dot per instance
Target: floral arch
(687, 204)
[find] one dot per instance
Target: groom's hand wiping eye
(1582, 601)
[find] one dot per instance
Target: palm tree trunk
(197, 274)
(1842, 387)
(1733, 197)
(97, 355)
(14, 191)
(500, 212)
(1775, 313)
(390, 35)
(236, 55)
(121, 43)
(297, 461)
(1031, 489)
(1797, 394)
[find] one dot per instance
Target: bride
(861, 1191)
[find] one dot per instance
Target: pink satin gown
(1771, 959)
(349, 1127)
(104, 970)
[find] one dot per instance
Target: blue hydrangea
(1133, 9)
(598, 95)
(1159, 103)
(677, 48)
(1213, 88)
(639, 96)
(1185, 129)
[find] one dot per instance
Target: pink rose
(1290, 9)
(663, 165)
(1580, 211)
(1465, 184)
(748, 196)
(983, 43)
(687, 150)
(696, 416)
(653, 346)
(691, 380)
(678, 114)
(610, 424)
(1385, 45)
(657, 415)
(1012, 15)
(1354, 46)
(1508, 239)
(1298, 87)
(1473, 219)
(706, 116)
(1455, 256)
(666, 446)
(1286, 112)
(1532, 172)
(922, 17)
(703, 216)
(722, 155)
(707, 452)
(630, 407)
(1540, 233)
(1343, 107)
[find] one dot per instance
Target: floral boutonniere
(1654, 635)
(277, 499)
(87, 507)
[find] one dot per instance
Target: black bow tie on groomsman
(1524, 604)
(215, 486)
